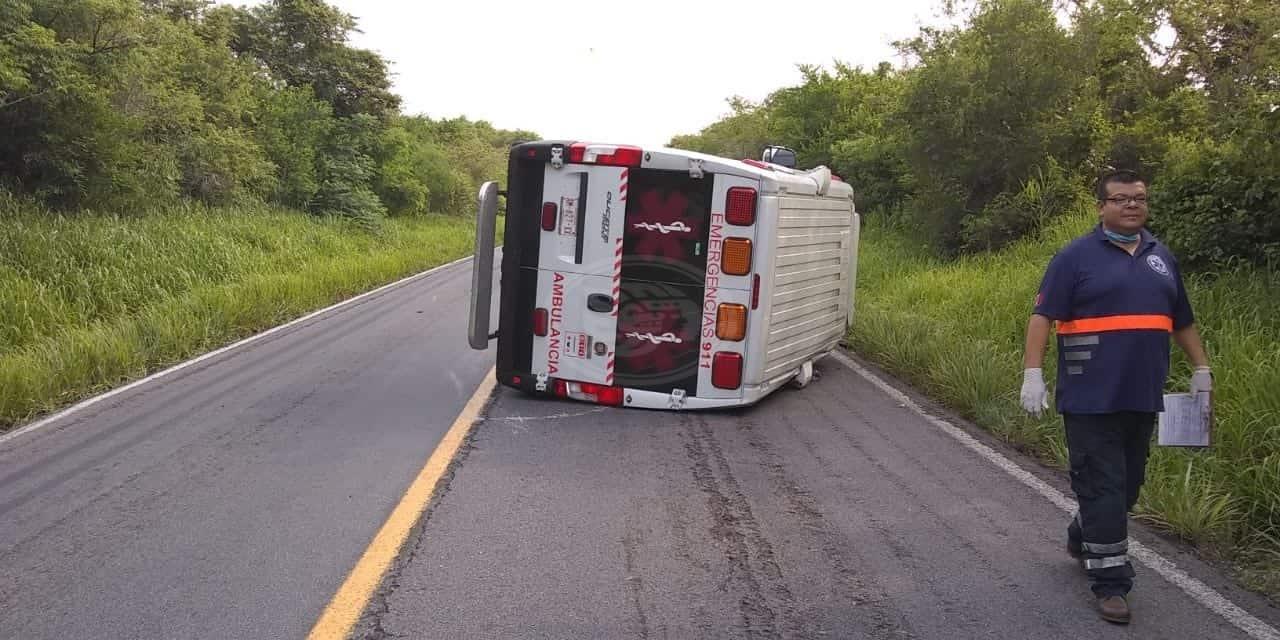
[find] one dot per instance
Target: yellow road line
(340, 617)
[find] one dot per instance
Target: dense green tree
(291, 127)
(742, 134)
(987, 108)
(1231, 48)
(126, 104)
(304, 43)
(999, 124)
(61, 134)
(840, 120)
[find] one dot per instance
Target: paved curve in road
(230, 499)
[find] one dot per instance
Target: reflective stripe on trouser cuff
(1106, 563)
(1107, 549)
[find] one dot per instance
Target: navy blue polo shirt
(1114, 314)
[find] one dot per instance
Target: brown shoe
(1114, 609)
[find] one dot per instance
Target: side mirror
(780, 156)
(482, 266)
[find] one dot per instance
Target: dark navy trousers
(1108, 455)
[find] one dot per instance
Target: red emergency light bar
(605, 154)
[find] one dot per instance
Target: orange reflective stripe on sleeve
(1115, 323)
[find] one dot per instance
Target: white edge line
(178, 367)
(1199, 591)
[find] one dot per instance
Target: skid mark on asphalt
(682, 547)
(983, 559)
(893, 538)
(887, 536)
(883, 621)
(753, 570)
(635, 584)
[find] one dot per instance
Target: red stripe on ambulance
(617, 302)
(617, 275)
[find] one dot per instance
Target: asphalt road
(828, 512)
(231, 499)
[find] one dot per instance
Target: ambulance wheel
(804, 377)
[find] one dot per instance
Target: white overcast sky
(637, 72)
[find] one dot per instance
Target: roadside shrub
(1011, 215)
(1218, 203)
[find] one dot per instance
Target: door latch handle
(600, 302)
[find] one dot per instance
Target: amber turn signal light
(735, 256)
(731, 322)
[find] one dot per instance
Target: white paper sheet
(1186, 421)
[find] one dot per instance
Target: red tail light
(602, 394)
(755, 292)
(611, 396)
(726, 370)
(540, 322)
(562, 388)
(612, 155)
(548, 216)
(740, 206)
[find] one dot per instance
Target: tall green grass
(956, 329)
(90, 301)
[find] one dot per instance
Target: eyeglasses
(1124, 201)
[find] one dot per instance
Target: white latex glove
(1202, 380)
(1035, 398)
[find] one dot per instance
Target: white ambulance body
(662, 278)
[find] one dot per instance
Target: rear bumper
(640, 399)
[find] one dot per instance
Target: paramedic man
(1117, 296)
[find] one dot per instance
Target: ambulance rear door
(579, 272)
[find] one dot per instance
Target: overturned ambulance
(662, 278)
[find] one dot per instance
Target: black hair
(1123, 176)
